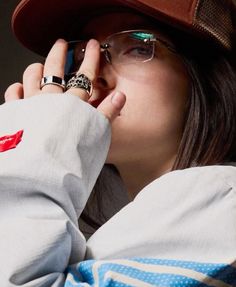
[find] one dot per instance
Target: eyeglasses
(123, 48)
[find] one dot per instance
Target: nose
(106, 80)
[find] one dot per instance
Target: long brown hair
(209, 135)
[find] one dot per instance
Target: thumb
(112, 105)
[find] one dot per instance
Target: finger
(112, 105)
(89, 67)
(14, 92)
(55, 65)
(31, 79)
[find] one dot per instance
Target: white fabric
(46, 180)
(184, 215)
(44, 185)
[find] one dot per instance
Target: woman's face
(149, 128)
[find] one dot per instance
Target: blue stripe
(82, 272)
(164, 280)
(223, 272)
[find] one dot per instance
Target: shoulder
(187, 214)
(215, 179)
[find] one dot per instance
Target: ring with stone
(80, 81)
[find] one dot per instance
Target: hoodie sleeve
(53, 148)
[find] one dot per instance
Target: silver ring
(80, 81)
(53, 80)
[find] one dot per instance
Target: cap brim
(38, 24)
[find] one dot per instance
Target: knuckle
(35, 67)
(52, 61)
(13, 87)
(54, 67)
(12, 91)
(6, 95)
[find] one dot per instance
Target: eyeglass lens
(119, 49)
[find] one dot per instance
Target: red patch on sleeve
(10, 141)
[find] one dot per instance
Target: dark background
(14, 58)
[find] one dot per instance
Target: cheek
(154, 109)
(161, 94)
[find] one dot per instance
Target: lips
(96, 103)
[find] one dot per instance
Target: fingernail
(61, 41)
(118, 99)
(92, 43)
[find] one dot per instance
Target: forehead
(107, 23)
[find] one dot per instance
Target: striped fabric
(140, 272)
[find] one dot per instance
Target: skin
(146, 136)
(147, 131)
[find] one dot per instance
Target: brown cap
(38, 23)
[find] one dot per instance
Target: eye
(138, 50)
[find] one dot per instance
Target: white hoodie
(180, 229)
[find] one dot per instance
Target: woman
(167, 86)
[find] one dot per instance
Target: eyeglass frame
(105, 45)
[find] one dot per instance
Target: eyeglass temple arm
(165, 43)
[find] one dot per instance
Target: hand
(54, 65)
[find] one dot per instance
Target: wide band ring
(80, 81)
(53, 80)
